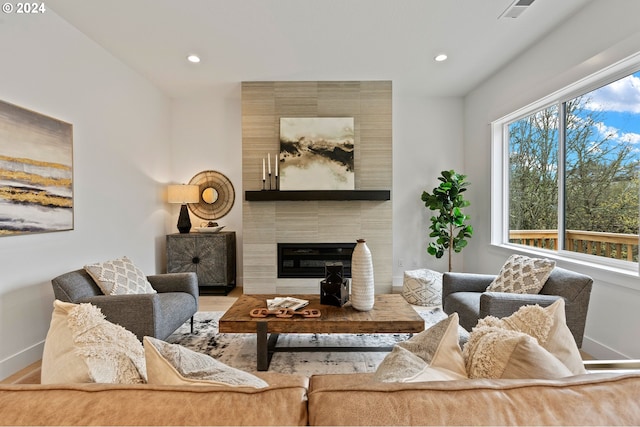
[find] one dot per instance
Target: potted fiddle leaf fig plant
(449, 227)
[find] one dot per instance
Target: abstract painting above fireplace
(316, 153)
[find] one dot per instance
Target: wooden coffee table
(391, 314)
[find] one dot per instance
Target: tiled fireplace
(267, 223)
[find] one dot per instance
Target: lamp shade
(183, 193)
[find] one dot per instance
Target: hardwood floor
(218, 302)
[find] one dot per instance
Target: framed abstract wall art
(316, 153)
(36, 172)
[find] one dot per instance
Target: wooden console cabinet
(212, 256)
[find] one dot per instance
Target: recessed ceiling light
(193, 58)
(440, 57)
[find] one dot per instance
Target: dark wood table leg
(266, 345)
(263, 351)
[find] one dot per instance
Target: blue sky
(619, 103)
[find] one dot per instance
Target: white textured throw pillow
(173, 364)
(431, 355)
(548, 326)
(493, 352)
(119, 276)
(82, 346)
(522, 275)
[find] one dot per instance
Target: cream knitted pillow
(492, 352)
(82, 346)
(522, 275)
(548, 326)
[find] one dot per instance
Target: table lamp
(183, 194)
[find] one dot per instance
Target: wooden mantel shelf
(274, 195)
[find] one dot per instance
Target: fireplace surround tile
(267, 223)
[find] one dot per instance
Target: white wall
(600, 35)
(428, 138)
(121, 162)
(207, 135)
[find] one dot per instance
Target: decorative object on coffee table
(362, 286)
(284, 313)
(334, 289)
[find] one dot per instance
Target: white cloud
(630, 138)
(614, 134)
(622, 96)
(606, 131)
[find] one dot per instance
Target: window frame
(500, 168)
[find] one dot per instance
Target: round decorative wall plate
(216, 195)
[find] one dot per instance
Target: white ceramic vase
(362, 287)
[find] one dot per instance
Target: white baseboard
(21, 360)
(600, 351)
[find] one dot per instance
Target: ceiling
(249, 40)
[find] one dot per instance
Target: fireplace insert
(306, 260)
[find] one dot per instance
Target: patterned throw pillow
(173, 364)
(82, 347)
(522, 275)
(422, 287)
(431, 355)
(119, 277)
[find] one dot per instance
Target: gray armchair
(155, 315)
(465, 294)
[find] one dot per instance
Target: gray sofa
(155, 315)
(465, 294)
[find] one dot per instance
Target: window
(569, 174)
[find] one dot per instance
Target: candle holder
(277, 183)
(270, 181)
(263, 185)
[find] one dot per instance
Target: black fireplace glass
(308, 260)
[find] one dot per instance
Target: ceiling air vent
(516, 8)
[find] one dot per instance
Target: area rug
(239, 350)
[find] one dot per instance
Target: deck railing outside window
(608, 245)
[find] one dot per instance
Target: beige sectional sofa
(592, 399)
(351, 399)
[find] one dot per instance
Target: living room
(132, 138)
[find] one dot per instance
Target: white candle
(269, 162)
(263, 177)
(276, 161)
